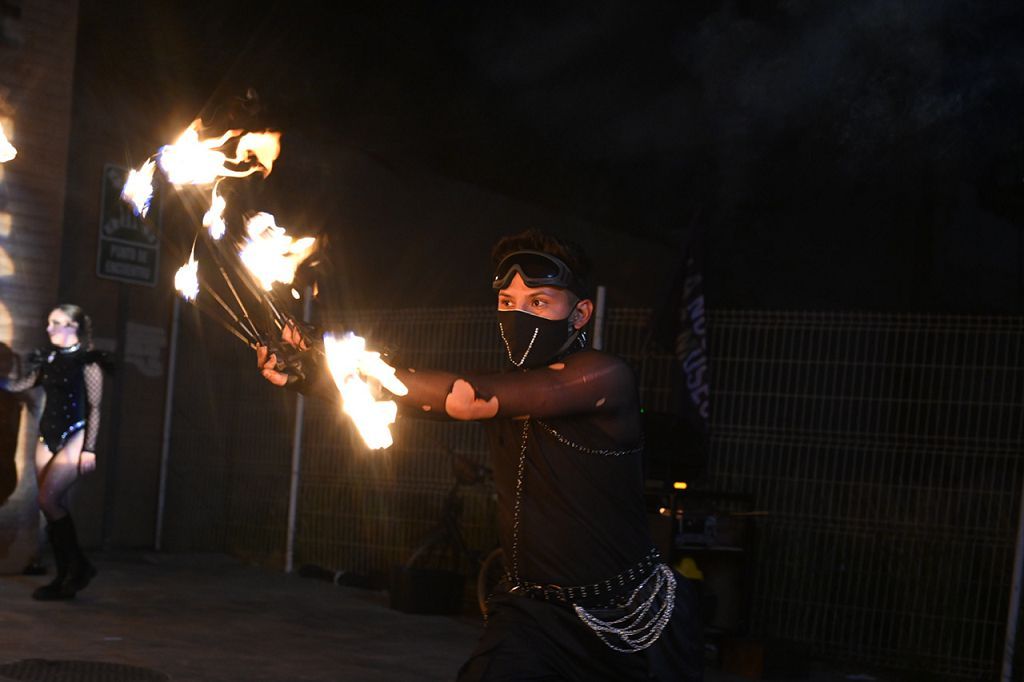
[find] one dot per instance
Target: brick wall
(37, 51)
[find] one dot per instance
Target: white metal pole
(293, 490)
(599, 318)
(1013, 614)
(165, 445)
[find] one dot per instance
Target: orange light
(664, 511)
(348, 362)
(679, 485)
(7, 150)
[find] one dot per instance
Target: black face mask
(530, 341)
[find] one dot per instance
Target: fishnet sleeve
(94, 396)
(23, 382)
(587, 382)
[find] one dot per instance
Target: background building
(852, 173)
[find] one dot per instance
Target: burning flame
(194, 161)
(186, 279)
(264, 146)
(7, 150)
(270, 254)
(138, 189)
(349, 361)
(214, 218)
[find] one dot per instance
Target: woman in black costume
(71, 374)
(587, 596)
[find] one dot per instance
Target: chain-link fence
(887, 449)
(883, 449)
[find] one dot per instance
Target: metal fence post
(293, 489)
(599, 311)
(1013, 613)
(165, 445)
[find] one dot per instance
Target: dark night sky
(857, 155)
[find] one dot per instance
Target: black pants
(530, 639)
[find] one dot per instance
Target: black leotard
(72, 379)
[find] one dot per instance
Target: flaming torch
(213, 220)
(203, 162)
(195, 161)
(270, 256)
(349, 361)
(7, 150)
(186, 279)
(138, 189)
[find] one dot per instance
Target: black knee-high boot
(80, 571)
(55, 588)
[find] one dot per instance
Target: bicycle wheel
(492, 572)
(435, 552)
(428, 581)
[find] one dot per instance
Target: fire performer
(71, 374)
(587, 595)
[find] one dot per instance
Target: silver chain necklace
(590, 451)
(520, 476)
(509, 350)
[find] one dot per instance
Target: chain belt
(628, 611)
(603, 592)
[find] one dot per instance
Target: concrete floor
(210, 618)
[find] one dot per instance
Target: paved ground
(210, 618)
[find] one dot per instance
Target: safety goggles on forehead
(537, 269)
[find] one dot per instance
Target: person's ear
(581, 314)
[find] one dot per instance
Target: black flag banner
(679, 327)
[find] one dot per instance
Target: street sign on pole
(129, 247)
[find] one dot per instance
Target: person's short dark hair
(569, 252)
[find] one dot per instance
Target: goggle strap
(563, 276)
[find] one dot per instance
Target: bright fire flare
(214, 218)
(7, 150)
(195, 161)
(348, 361)
(270, 254)
(264, 146)
(138, 189)
(186, 279)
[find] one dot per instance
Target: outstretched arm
(23, 382)
(586, 382)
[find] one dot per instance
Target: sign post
(129, 248)
(128, 251)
